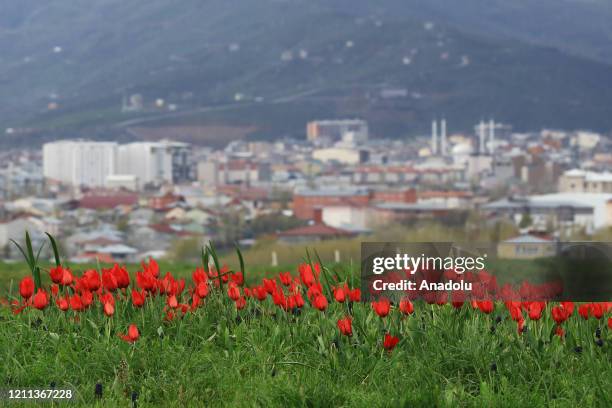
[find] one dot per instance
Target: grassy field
(263, 355)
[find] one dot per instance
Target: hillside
(271, 65)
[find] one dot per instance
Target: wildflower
(340, 293)
(320, 302)
(559, 331)
(138, 298)
(121, 276)
(91, 280)
(355, 295)
(26, 287)
(381, 307)
(559, 314)
(584, 311)
(109, 281)
(62, 304)
(41, 300)
(202, 289)
(240, 303)
(172, 302)
(597, 310)
(535, 310)
(146, 281)
(346, 326)
(151, 268)
(86, 298)
(486, 306)
(390, 342)
(269, 285)
(132, 334)
(109, 309)
(61, 275)
(237, 278)
(569, 308)
(260, 292)
(76, 303)
(233, 291)
(610, 323)
(199, 276)
(406, 306)
(298, 299)
(285, 278)
(308, 275)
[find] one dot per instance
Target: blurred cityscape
(108, 201)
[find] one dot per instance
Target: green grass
(263, 356)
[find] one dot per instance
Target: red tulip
(285, 278)
(233, 291)
(299, 300)
(145, 281)
(172, 301)
(26, 287)
(109, 281)
(240, 303)
(260, 293)
(269, 285)
(138, 298)
(75, 303)
(559, 331)
(355, 295)
(41, 300)
(520, 324)
(515, 312)
(91, 280)
(390, 342)
(346, 326)
(569, 308)
(486, 306)
(62, 304)
(597, 310)
(199, 276)
(151, 268)
(406, 306)
(109, 309)
(320, 302)
(307, 275)
(535, 310)
(237, 278)
(121, 276)
(340, 294)
(202, 289)
(132, 334)
(86, 298)
(61, 275)
(559, 314)
(381, 307)
(584, 311)
(610, 323)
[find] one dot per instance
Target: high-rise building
(79, 162)
(157, 162)
(334, 130)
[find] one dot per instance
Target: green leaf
(241, 259)
(55, 250)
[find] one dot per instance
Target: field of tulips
(297, 338)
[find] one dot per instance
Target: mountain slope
(289, 61)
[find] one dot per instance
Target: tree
(526, 221)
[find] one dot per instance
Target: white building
(78, 162)
(334, 130)
(341, 155)
(581, 181)
(156, 162)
